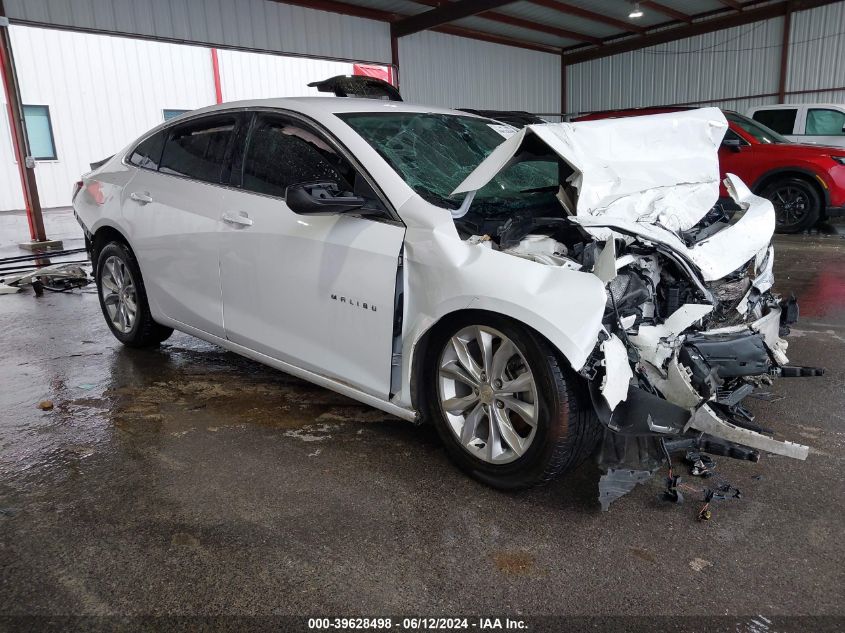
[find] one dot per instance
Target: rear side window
(781, 121)
(825, 122)
(148, 152)
(197, 149)
(282, 152)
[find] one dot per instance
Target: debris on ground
(55, 278)
(699, 564)
(701, 465)
(38, 271)
(46, 405)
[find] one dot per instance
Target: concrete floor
(188, 480)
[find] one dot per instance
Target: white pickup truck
(816, 123)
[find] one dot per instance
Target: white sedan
(534, 293)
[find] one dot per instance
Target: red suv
(805, 183)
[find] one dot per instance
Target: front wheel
(507, 410)
(797, 203)
(123, 298)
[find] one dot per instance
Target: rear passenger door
(173, 209)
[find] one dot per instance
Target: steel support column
(26, 165)
(784, 53)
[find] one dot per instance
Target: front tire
(508, 411)
(123, 298)
(797, 203)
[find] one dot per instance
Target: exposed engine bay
(691, 326)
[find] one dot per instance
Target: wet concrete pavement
(188, 480)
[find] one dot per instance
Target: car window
(148, 152)
(825, 122)
(197, 149)
(730, 135)
(781, 120)
(758, 131)
(282, 152)
(433, 153)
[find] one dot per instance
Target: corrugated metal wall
(248, 24)
(817, 54)
(735, 62)
(728, 66)
(450, 71)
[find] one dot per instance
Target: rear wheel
(507, 410)
(123, 298)
(797, 203)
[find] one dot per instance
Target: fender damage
(691, 326)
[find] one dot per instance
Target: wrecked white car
(535, 294)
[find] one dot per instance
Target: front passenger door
(314, 291)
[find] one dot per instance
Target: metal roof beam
(588, 15)
(662, 8)
(733, 4)
(445, 13)
(512, 20)
(344, 8)
(696, 28)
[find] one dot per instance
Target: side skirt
(317, 379)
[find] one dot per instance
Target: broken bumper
(685, 389)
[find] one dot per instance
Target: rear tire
(123, 298)
(798, 205)
(564, 431)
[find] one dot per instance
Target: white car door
(825, 126)
(316, 291)
(174, 219)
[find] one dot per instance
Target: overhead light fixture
(636, 12)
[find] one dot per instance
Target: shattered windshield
(433, 153)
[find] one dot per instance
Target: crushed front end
(691, 326)
(678, 357)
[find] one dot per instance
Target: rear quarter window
(148, 152)
(197, 149)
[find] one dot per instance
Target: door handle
(242, 219)
(142, 197)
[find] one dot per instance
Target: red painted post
(215, 69)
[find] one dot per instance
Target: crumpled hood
(650, 175)
(660, 169)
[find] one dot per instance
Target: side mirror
(734, 144)
(320, 198)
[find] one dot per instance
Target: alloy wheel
(791, 205)
(488, 394)
(117, 289)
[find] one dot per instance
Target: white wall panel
(102, 92)
(259, 76)
(445, 70)
(248, 24)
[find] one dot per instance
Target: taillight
(77, 186)
(95, 190)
